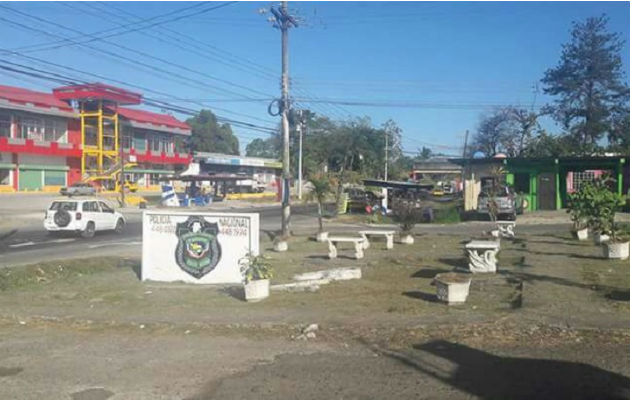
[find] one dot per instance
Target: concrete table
(482, 255)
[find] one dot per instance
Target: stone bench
(389, 236)
(482, 255)
(333, 241)
(505, 228)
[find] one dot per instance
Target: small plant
(407, 215)
(254, 268)
(602, 204)
(577, 208)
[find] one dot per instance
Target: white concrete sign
(196, 247)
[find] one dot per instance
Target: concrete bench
(389, 236)
(333, 241)
(505, 228)
(482, 255)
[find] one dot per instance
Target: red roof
(38, 99)
(147, 117)
(97, 91)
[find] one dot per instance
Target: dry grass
(548, 279)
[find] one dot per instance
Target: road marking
(59, 241)
(94, 246)
(22, 244)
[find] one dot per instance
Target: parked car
(78, 189)
(85, 216)
(506, 203)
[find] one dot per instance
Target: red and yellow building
(49, 140)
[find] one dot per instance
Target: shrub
(601, 204)
(407, 215)
(254, 268)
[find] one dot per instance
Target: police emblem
(198, 251)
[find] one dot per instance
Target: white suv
(85, 216)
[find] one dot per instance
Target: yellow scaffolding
(101, 152)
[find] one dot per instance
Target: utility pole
(284, 21)
(384, 203)
(465, 168)
(300, 127)
(386, 151)
(121, 178)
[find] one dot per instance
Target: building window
(5, 125)
(154, 143)
(180, 144)
(521, 183)
(154, 179)
(165, 144)
(42, 130)
(139, 141)
(580, 178)
(126, 140)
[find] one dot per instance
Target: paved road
(30, 243)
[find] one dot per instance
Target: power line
(102, 34)
(134, 51)
(172, 39)
(148, 101)
(406, 104)
(245, 64)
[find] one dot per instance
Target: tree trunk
(319, 216)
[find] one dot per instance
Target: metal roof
(97, 91)
(30, 100)
(542, 160)
(150, 120)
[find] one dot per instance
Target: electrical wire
(100, 35)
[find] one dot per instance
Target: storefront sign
(196, 247)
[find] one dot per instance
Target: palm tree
(319, 190)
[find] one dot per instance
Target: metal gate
(30, 179)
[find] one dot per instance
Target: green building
(544, 183)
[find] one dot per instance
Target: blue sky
(446, 62)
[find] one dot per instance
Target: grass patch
(42, 273)
(447, 215)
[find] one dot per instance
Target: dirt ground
(553, 323)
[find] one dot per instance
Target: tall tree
(209, 135)
(495, 130)
(266, 148)
(425, 153)
(588, 83)
(524, 124)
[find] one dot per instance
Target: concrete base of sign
(280, 246)
(617, 251)
(406, 239)
(256, 290)
(322, 237)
